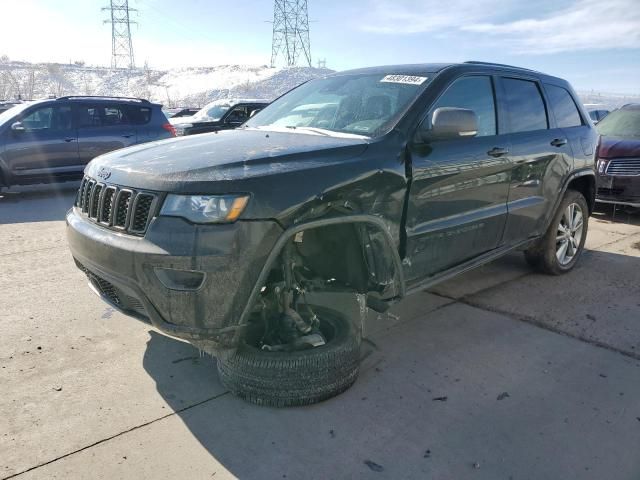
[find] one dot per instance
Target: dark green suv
(376, 182)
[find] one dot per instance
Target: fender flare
(371, 220)
(585, 172)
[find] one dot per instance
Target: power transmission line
(121, 45)
(290, 32)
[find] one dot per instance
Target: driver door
(457, 206)
(236, 116)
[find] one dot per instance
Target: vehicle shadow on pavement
(37, 203)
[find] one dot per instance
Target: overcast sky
(595, 44)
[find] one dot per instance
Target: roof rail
(476, 62)
(103, 97)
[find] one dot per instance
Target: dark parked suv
(218, 115)
(373, 183)
(54, 139)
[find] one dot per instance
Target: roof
(431, 68)
(411, 69)
(235, 101)
(103, 98)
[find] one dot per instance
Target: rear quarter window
(525, 106)
(139, 115)
(563, 107)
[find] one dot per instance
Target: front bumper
(122, 269)
(618, 190)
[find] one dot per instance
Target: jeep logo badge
(103, 173)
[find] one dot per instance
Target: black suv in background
(54, 139)
(218, 115)
(7, 104)
(373, 183)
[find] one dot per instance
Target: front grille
(107, 203)
(142, 207)
(123, 201)
(115, 207)
(623, 167)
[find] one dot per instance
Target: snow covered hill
(191, 87)
(178, 87)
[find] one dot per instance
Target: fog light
(180, 279)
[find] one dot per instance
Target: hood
(179, 120)
(189, 164)
(619, 147)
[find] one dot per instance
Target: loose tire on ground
(542, 256)
(283, 379)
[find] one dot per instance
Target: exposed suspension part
(291, 330)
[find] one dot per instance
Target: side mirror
(448, 123)
(17, 127)
(254, 112)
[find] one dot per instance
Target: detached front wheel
(304, 377)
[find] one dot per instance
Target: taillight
(170, 128)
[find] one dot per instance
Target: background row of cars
(53, 139)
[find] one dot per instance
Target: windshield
(621, 123)
(366, 105)
(12, 112)
(212, 112)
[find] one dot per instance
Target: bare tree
(58, 79)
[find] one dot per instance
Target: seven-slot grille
(115, 207)
(624, 167)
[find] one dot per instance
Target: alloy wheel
(569, 235)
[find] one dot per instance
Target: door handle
(70, 139)
(558, 142)
(498, 151)
(128, 135)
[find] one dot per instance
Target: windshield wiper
(320, 131)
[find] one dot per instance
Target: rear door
(102, 128)
(457, 202)
(573, 123)
(47, 145)
(541, 157)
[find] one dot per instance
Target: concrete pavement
(502, 373)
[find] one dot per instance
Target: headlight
(205, 208)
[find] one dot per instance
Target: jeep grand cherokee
(380, 181)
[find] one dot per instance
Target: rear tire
(283, 379)
(563, 243)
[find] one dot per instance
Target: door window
(91, 116)
(53, 118)
(473, 93)
(525, 106)
(238, 115)
(563, 106)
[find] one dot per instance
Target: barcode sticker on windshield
(404, 79)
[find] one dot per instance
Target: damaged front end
(350, 256)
